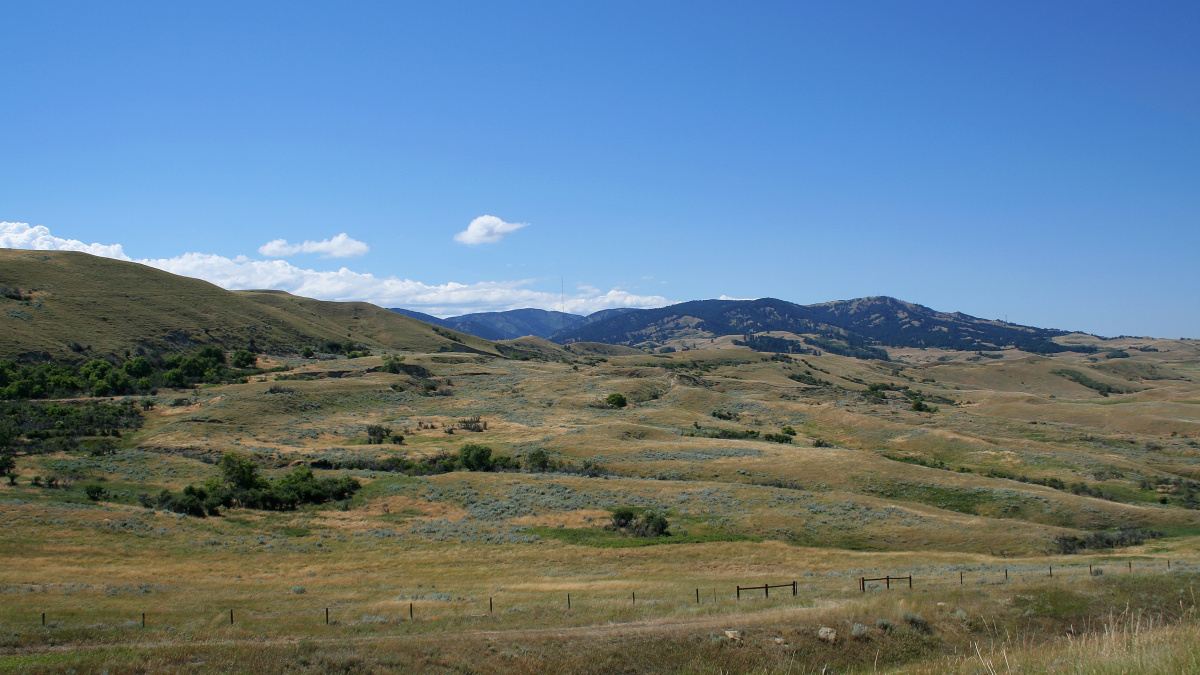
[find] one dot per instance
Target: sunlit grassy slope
(82, 306)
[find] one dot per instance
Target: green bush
(475, 457)
(243, 359)
(539, 461)
(616, 401)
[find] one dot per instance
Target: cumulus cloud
(38, 238)
(344, 284)
(341, 246)
(486, 230)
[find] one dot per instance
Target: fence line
(1028, 572)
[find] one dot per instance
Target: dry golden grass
(449, 544)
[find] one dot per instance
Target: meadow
(1045, 508)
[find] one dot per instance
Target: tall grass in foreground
(1129, 643)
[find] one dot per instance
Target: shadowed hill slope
(70, 305)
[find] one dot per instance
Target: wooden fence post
(489, 605)
(910, 581)
(794, 583)
(568, 601)
(635, 597)
(739, 592)
(143, 619)
(766, 591)
(1005, 575)
(410, 612)
(43, 618)
(1052, 571)
(697, 596)
(960, 578)
(231, 617)
(326, 616)
(1130, 565)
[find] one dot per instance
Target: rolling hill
(66, 305)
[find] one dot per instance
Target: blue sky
(1039, 161)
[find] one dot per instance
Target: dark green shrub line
(139, 374)
(240, 484)
(1102, 388)
(1068, 544)
(34, 428)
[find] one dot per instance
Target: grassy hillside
(72, 306)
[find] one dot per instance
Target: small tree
(539, 460)
(94, 492)
(376, 433)
(7, 464)
(475, 457)
(616, 400)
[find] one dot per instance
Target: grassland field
(485, 561)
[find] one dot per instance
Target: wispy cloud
(343, 284)
(341, 246)
(486, 230)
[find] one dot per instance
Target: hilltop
(64, 305)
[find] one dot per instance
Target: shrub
(622, 517)
(616, 401)
(540, 461)
(243, 359)
(307, 352)
(376, 433)
(391, 364)
(916, 621)
(94, 492)
(777, 438)
(821, 443)
(475, 457)
(790, 431)
(919, 405)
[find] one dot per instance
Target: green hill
(71, 306)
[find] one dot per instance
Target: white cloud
(344, 284)
(341, 246)
(486, 230)
(726, 297)
(38, 238)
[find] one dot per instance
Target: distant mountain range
(514, 323)
(860, 327)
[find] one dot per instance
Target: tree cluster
(139, 374)
(241, 484)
